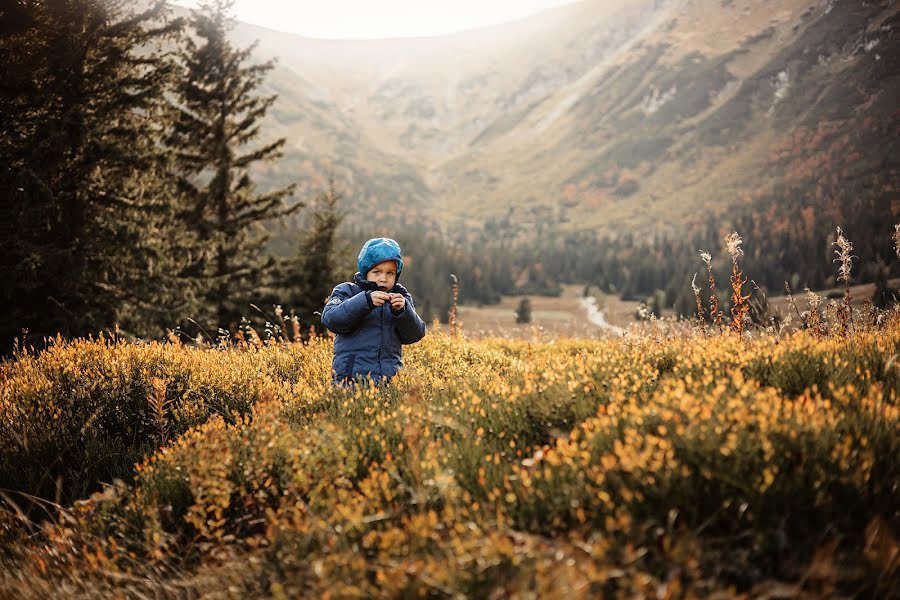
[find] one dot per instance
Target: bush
(706, 464)
(85, 412)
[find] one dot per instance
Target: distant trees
(311, 274)
(125, 169)
(787, 237)
(218, 116)
(523, 311)
(128, 143)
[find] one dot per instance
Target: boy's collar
(371, 286)
(364, 283)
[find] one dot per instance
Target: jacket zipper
(381, 341)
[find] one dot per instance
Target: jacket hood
(378, 250)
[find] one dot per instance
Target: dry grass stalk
(282, 324)
(158, 407)
(714, 312)
(701, 316)
(790, 295)
(739, 305)
(454, 287)
(295, 327)
(845, 247)
(897, 239)
(811, 318)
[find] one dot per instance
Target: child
(372, 316)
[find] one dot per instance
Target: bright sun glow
(365, 19)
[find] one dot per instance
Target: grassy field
(859, 293)
(551, 317)
(671, 463)
(566, 317)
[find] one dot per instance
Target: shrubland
(677, 461)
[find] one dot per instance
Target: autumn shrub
(81, 412)
(659, 465)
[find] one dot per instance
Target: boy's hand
(397, 302)
(379, 298)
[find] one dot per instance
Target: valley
(601, 115)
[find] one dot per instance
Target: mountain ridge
(594, 114)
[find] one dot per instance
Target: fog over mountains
(605, 114)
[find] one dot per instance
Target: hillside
(634, 113)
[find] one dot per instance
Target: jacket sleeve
(344, 311)
(410, 327)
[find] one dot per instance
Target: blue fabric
(369, 339)
(378, 250)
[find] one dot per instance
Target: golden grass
(667, 463)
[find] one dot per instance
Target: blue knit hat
(378, 250)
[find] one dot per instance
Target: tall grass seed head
(812, 298)
(844, 256)
(733, 243)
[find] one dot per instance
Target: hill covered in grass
(674, 462)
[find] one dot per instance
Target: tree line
(128, 140)
(788, 241)
(127, 145)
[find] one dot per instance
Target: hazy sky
(381, 18)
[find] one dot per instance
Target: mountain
(614, 115)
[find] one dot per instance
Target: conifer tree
(87, 227)
(311, 275)
(219, 114)
(523, 312)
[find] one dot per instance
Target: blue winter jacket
(369, 338)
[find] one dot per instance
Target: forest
(130, 149)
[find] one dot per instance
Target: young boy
(372, 317)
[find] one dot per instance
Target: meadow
(552, 317)
(707, 458)
(662, 464)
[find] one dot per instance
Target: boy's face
(384, 274)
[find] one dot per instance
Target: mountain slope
(674, 125)
(601, 114)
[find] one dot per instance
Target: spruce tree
(219, 114)
(523, 312)
(87, 226)
(311, 275)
